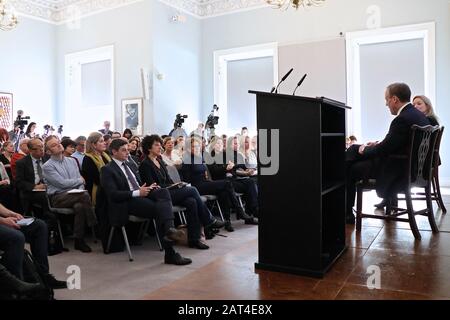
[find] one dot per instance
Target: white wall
(129, 29)
(177, 56)
(27, 69)
(244, 75)
(291, 26)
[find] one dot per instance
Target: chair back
(437, 147)
(421, 155)
(173, 174)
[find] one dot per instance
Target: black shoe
(176, 259)
(198, 245)
(55, 284)
(228, 226)
(242, 215)
(216, 224)
(11, 284)
(350, 219)
(382, 204)
(252, 221)
(82, 246)
(173, 235)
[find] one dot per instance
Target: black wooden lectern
(302, 206)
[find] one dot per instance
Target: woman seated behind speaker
(153, 170)
(231, 165)
(424, 105)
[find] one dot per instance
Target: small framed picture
(132, 115)
(6, 110)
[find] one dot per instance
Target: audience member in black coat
(195, 171)
(153, 170)
(126, 195)
(372, 160)
(29, 177)
(231, 165)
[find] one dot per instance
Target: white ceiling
(59, 11)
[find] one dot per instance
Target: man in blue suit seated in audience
(127, 195)
(372, 161)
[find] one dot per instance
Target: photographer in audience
(153, 170)
(62, 177)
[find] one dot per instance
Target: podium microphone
(284, 78)
(299, 83)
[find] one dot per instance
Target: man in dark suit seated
(29, 179)
(121, 186)
(372, 161)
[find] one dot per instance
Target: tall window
(89, 90)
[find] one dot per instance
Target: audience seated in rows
(127, 195)
(153, 170)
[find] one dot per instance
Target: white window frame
(354, 40)
(73, 62)
(221, 59)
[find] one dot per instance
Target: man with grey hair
(80, 149)
(106, 128)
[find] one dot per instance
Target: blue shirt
(62, 175)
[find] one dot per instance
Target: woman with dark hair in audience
(133, 148)
(195, 171)
(30, 130)
(69, 149)
(153, 170)
(127, 133)
(231, 165)
(6, 156)
(170, 157)
(424, 105)
(94, 159)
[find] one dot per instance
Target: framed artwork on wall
(6, 110)
(132, 115)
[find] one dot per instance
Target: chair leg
(183, 214)
(240, 202)
(127, 244)
(220, 210)
(412, 216)
(438, 192)
(157, 236)
(431, 219)
(359, 203)
(60, 234)
(110, 239)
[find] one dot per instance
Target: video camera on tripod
(179, 120)
(212, 121)
(21, 121)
